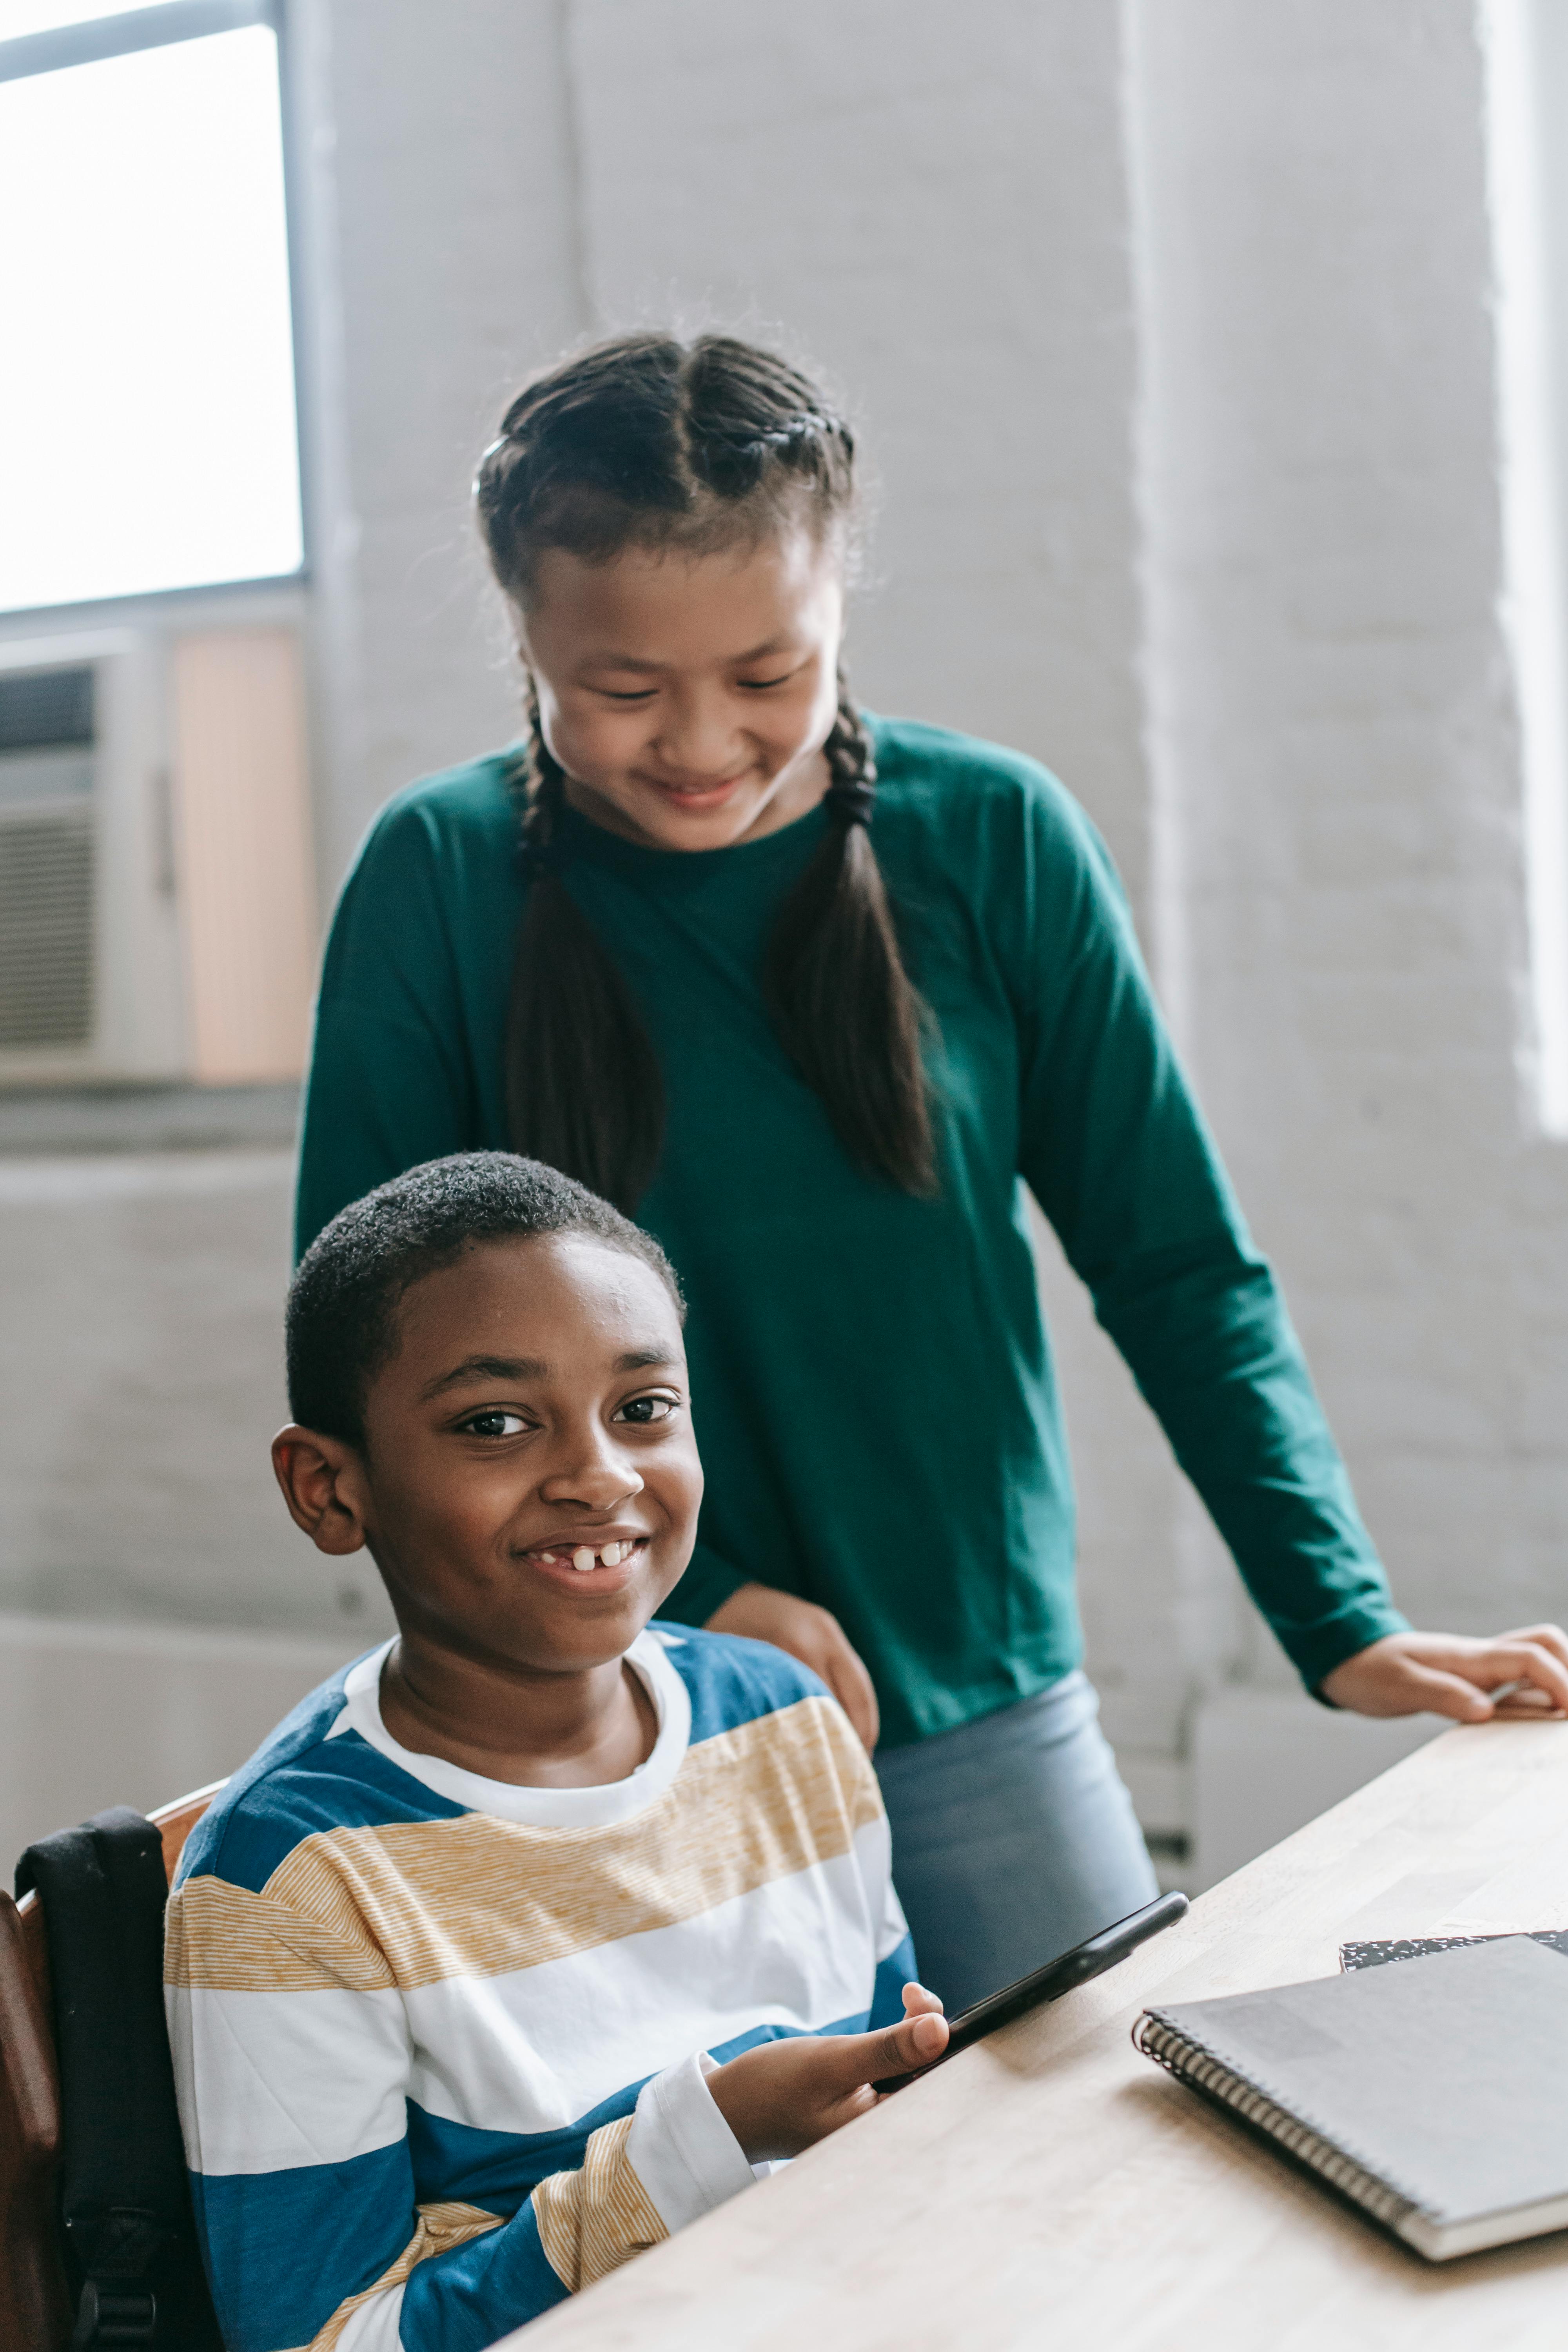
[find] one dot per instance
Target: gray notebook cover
(1443, 2081)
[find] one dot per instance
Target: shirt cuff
(680, 2148)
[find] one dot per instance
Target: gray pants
(1013, 1838)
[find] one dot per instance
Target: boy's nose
(595, 1476)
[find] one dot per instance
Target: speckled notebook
(1372, 1955)
(1431, 2095)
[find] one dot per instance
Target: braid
(852, 762)
(848, 1015)
(583, 1091)
(543, 782)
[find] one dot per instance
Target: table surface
(1051, 2187)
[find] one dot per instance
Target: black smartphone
(1058, 1976)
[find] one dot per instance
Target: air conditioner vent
(46, 932)
(42, 708)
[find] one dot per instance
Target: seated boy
(515, 1946)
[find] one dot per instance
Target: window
(148, 437)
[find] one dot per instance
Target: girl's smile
(696, 799)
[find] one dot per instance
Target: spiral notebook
(1432, 2094)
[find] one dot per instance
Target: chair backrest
(34, 2305)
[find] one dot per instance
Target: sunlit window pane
(147, 430)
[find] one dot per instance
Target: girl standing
(815, 996)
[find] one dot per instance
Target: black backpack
(127, 2228)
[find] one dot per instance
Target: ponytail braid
(847, 1011)
(584, 1090)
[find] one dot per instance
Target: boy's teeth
(585, 1557)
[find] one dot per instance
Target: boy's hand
(813, 1635)
(1456, 1674)
(782, 2096)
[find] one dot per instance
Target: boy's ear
(322, 1479)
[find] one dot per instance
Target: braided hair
(643, 441)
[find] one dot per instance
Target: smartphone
(1058, 1976)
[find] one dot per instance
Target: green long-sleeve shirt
(871, 1376)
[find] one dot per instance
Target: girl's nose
(696, 743)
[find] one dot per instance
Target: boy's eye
(640, 1411)
(494, 1424)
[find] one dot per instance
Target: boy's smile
(529, 1486)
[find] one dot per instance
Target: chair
(33, 2304)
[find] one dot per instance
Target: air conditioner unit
(157, 909)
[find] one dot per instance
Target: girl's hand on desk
(782, 2096)
(813, 1635)
(1456, 1674)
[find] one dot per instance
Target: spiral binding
(1189, 2061)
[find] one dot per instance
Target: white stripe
(375, 2326)
(614, 1800)
(874, 1847)
(537, 2048)
(680, 2148)
(270, 2080)
(280, 2079)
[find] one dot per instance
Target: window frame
(164, 25)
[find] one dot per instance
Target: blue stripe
(464, 2164)
(329, 1784)
(283, 2249)
(461, 2300)
(300, 1782)
(732, 1681)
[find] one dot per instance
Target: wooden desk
(1053, 2190)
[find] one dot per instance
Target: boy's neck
(517, 1724)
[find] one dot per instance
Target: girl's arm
(1117, 1153)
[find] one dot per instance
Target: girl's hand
(782, 2096)
(1456, 1674)
(813, 1635)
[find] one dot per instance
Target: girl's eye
(641, 1411)
(642, 693)
(493, 1424)
(760, 685)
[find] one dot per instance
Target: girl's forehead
(739, 597)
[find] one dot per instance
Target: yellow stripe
(480, 1897)
(216, 1934)
(593, 2220)
(441, 2227)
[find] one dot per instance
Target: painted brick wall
(1335, 722)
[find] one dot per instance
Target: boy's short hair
(341, 1323)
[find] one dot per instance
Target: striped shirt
(440, 2041)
